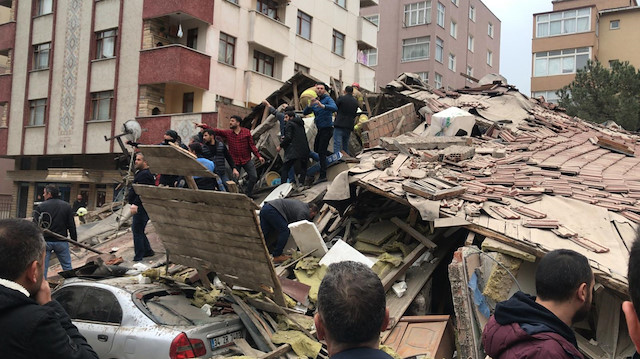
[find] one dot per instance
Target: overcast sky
(516, 17)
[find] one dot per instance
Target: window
(472, 13)
(338, 43)
(304, 25)
(437, 81)
(490, 30)
(342, 3)
(563, 22)
(549, 96)
(98, 305)
(101, 105)
(452, 62)
(227, 49)
(106, 44)
(614, 24)
(489, 58)
(453, 29)
(44, 7)
(300, 68)
(418, 13)
(41, 56)
(37, 109)
(440, 19)
(187, 102)
(268, 8)
(470, 43)
(374, 19)
(455, 2)
(233, 1)
(439, 49)
(263, 63)
(560, 62)
(469, 72)
(192, 38)
(424, 76)
(415, 48)
(370, 57)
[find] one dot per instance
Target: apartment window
(304, 25)
(560, 62)
(300, 68)
(418, 13)
(192, 38)
(472, 13)
(437, 81)
(416, 48)
(470, 43)
(441, 10)
(455, 2)
(37, 109)
(106, 44)
(342, 3)
(453, 29)
(490, 30)
(452, 62)
(227, 49)
(338, 43)
(549, 96)
(489, 58)
(233, 1)
(101, 105)
(187, 102)
(268, 8)
(469, 72)
(41, 56)
(439, 49)
(614, 24)
(563, 22)
(424, 76)
(44, 7)
(375, 19)
(370, 57)
(263, 63)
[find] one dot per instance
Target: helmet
(81, 211)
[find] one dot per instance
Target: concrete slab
(308, 238)
(341, 252)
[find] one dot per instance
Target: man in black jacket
(343, 125)
(141, 246)
(296, 148)
(275, 217)
(31, 324)
(56, 215)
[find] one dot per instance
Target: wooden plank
(449, 222)
(511, 230)
(496, 225)
(240, 242)
(296, 96)
(191, 183)
(247, 319)
(283, 349)
(204, 209)
(413, 233)
(212, 198)
(397, 272)
(173, 160)
(184, 211)
(246, 349)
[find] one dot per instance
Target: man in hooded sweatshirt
(296, 147)
(540, 327)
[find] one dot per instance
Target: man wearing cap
(171, 136)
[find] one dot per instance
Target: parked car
(123, 319)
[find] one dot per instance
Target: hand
(261, 159)
(44, 293)
(278, 148)
(235, 173)
(632, 323)
(134, 209)
(266, 103)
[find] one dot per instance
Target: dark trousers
(299, 167)
(252, 176)
(320, 147)
(141, 244)
(271, 220)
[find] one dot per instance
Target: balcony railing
(174, 64)
(268, 32)
(7, 35)
(367, 33)
(5, 88)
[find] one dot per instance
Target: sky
(516, 17)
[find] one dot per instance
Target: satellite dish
(132, 130)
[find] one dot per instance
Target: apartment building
(576, 31)
(437, 39)
(76, 70)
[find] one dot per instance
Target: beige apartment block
(438, 40)
(576, 31)
(72, 72)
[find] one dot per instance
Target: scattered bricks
(499, 282)
(385, 162)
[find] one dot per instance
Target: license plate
(225, 340)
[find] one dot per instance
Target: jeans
(141, 244)
(224, 177)
(341, 139)
(271, 220)
(320, 147)
(250, 168)
(61, 249)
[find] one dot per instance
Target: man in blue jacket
(323, 108)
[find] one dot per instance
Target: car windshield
(174, 308)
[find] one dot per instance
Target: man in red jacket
(540, 327)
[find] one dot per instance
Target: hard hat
(81, 211)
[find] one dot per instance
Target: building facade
(437, 39)
(576, 31)
(72, 72)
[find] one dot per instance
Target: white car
(123, 319)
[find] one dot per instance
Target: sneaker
(150, 254)
(281, 258)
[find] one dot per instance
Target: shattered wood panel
(203, 208)
(201, 240)
(173, 160)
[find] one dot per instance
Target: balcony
(7, 35)
(367, 3)
(365, 76)
(5, 88)
(155, 126)
(174, 64)
(367, 33)
(268, 33)
(199, 9)
(259, 86)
